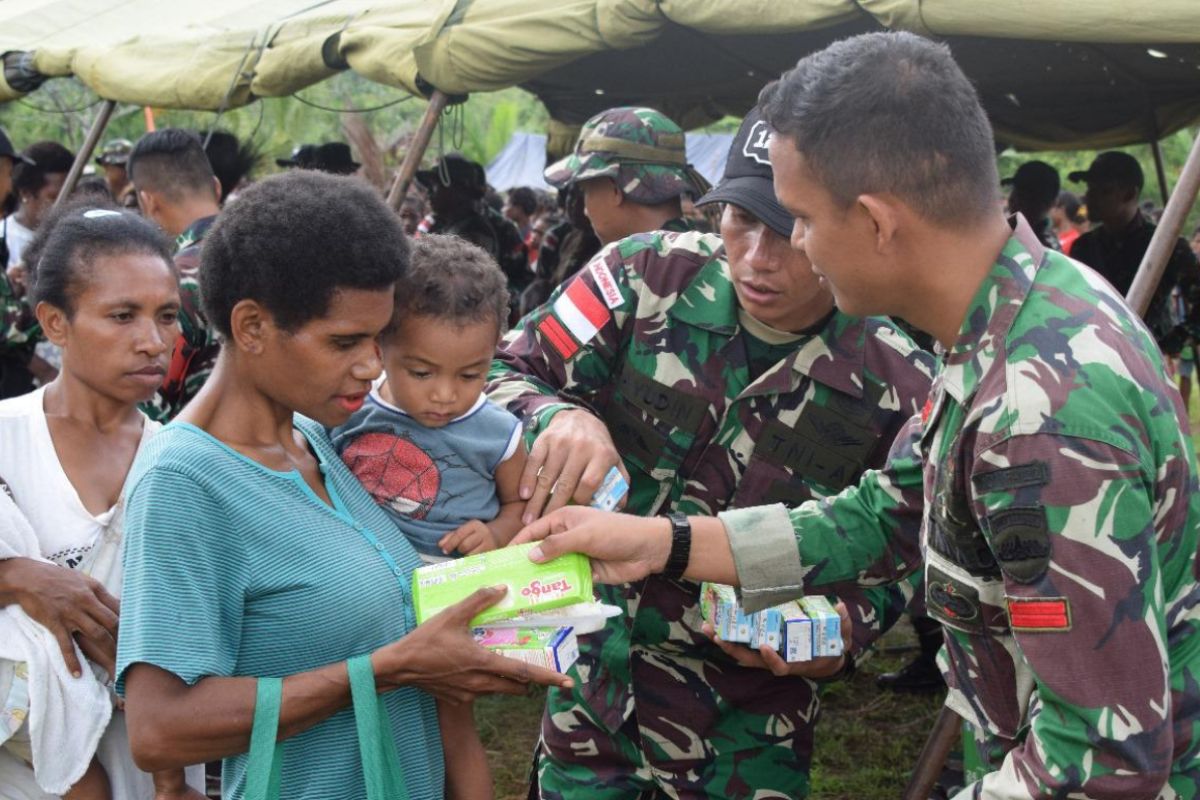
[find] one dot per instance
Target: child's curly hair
(450, 278)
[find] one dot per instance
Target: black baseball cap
(1037, 179)
(7, 151)
(747, 182)
(1113, 166)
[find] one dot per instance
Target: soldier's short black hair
(48, 158)
(76, 233)
(171, 161)
(890, 112)
(451, 279)
(292, 240)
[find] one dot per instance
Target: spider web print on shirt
(397, 472)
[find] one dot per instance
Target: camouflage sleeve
(565, 350)
(187, 369)
(1072, 524)
(868, 535)
(19, 329)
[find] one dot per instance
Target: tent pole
(1156, 148)
(1163, 242)
(947, 731)
(85, 152)
(416, 149)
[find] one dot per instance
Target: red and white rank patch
(1039, 614)
(554, 333)
(606, 284)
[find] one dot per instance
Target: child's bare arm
(467, 773)
(479, 537)
(508, 488)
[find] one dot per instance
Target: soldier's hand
(568, 462)
(766, 658)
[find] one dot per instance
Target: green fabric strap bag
(376, 744)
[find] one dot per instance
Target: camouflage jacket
(649, 337)
(197, 346)
(1059, 520)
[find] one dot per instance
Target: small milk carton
(827, 626)
(732, 623)
(769, 628)
(797, 633)
(611, 490)
(552, 648)
(531, 587)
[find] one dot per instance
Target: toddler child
(443, 460)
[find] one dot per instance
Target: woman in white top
(106, 292)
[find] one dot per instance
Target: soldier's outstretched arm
(560, 358)
(866, 536)
(1072, 523)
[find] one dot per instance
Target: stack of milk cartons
(799, 630)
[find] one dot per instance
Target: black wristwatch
(681, 545)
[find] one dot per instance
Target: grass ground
(867, 740)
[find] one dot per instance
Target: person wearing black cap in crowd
(1121, 232)
(456, 187)
(711, 371)
(331, 157)
(1033, 191)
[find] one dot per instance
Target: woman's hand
(568, 461)
(623, 548)
(441, 657)
(766, 658)
(72, 606)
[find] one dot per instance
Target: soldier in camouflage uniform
(1057, 503)
(177, 189)
(726, 378)
(630, 165)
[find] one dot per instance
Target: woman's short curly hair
(290, 241)
(449, 278)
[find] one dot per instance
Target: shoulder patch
(1020, 540)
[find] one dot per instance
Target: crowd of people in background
(245, 352)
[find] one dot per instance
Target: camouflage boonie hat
(641, 149)
(115, 152)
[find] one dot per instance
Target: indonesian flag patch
(1039, 614)
(575, 319)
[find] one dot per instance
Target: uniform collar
(992, 311)
(194, 232)
(833, 357)
(708, 301)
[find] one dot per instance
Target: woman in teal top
(252, 551)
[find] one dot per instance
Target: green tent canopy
(1067, 74)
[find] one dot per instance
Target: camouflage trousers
(736, 752)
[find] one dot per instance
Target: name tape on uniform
(605, 283)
